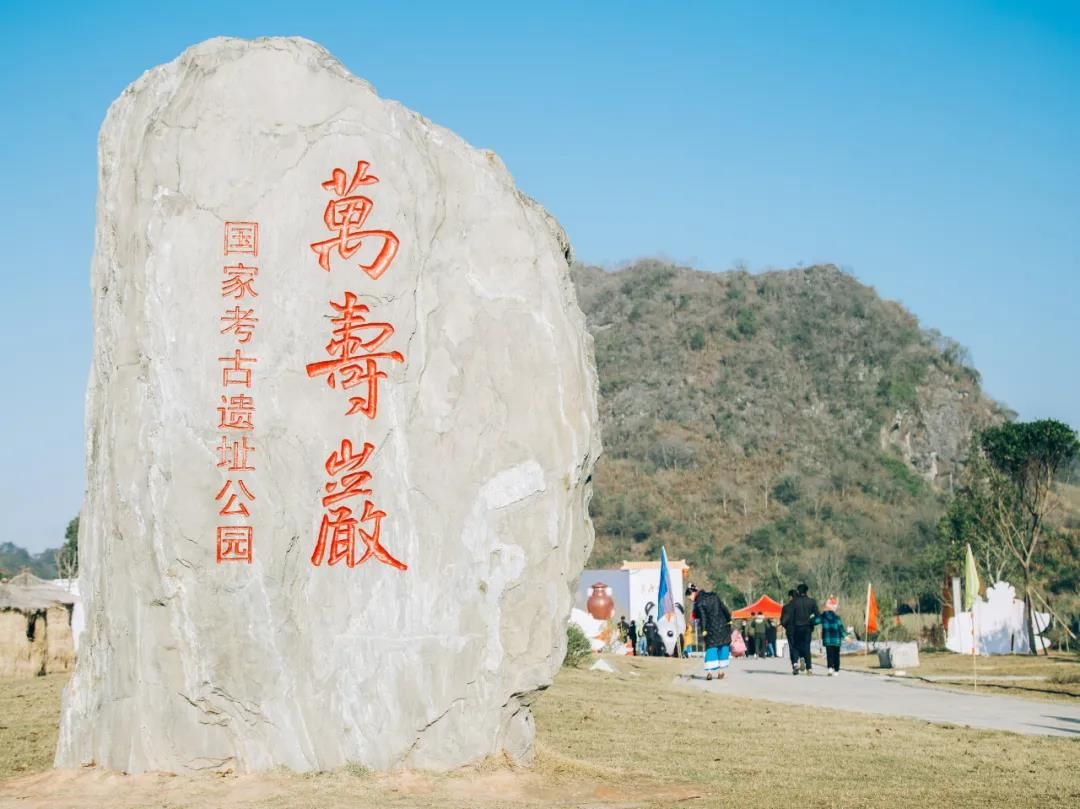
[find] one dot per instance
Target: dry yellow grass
(1060, 670)
(29, 720)
(632, 739)
(754, 748)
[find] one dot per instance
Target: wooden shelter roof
(27, 593)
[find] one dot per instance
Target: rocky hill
(774, 427)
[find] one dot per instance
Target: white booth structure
(999, 625)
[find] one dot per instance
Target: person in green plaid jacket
(832, 635)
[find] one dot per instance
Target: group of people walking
(759, 636)
(646, 642)
(798, 617)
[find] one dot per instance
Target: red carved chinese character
(236, 375)
(242, 237)
(233, 456)
(236, 413)
(238, 281)
(339, 530)
(370, 374)
(241, 322)
(360, 177)
(234, 506)
(234, 543)
(356, 359)
(352, 482)
(346, 217)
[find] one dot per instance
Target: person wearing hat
(714, 618)
(832, 635)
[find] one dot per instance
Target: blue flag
(665, 601)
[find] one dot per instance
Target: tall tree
(67, 556)
(972, 519)
(1024, 459)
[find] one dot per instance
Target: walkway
(771, 679)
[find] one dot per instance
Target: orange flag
(871, 610)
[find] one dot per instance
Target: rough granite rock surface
(484, 437)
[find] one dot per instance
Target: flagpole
(971, 596)
(974, 654)
(866, 628)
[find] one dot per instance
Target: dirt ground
(631, 739)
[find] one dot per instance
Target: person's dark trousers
(832, 656)
(793, 650)
(802, 645)
(759, 644)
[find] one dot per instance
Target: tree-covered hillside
(15, 559)
(774, 427)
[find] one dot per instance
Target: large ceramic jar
(600, 605)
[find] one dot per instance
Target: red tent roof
(764, 605)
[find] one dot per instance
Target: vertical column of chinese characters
(236, 409)
(351, 523)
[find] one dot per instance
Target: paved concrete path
(771, 679)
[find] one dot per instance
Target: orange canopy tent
(765, 605)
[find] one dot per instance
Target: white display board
(999, 625)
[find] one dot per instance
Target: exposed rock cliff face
(342, 418)
(933, 433)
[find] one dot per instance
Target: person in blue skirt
(715, 621)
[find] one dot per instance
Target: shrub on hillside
(902, 476)
(746, 324)
(786, 491)
(672, 453)
(697, 338)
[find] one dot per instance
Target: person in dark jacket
(789, 629)
(804, 616)
(715, 621)
(770, 638)
(757, 630)
(654, 644)
(632, 634)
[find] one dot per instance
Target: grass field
(29, 719)
(631, 739)
(1059, 673)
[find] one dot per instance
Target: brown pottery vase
(600, 605)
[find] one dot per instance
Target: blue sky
(932, 148)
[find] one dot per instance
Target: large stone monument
(341, 424)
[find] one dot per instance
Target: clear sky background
(932, 148)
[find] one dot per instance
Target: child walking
(832, 635)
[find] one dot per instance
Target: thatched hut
(35, 627)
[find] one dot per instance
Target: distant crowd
(714, 632)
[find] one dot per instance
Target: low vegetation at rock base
(578, 649)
